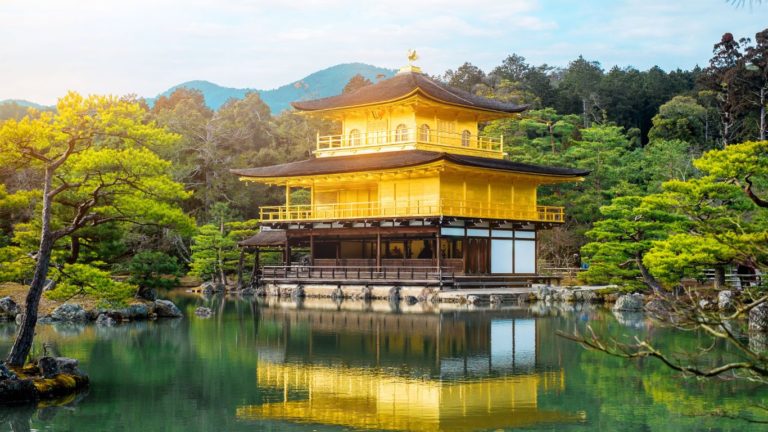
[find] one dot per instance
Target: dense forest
(677, 183)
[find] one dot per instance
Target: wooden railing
(399, 139)
(431, 207)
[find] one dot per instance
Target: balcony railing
(402, 139)
(388, 209)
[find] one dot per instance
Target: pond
(323, 366)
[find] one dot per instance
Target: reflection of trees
(644, 394)
(168, 374)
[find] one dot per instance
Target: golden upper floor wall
(407, 112)
(435, 191)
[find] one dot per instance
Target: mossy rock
(31, 386)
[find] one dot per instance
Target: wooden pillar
(311, 248)
(288, 252)
(338, 250)
(464, 251)
(438, 251)
(378, 251)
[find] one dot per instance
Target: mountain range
(320, 84)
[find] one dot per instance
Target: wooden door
(477, 255)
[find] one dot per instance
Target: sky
(146, 46)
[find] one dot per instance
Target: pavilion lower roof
(399, 159)
(265, 238)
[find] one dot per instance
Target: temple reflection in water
(366, 367)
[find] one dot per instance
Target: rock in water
(366, 293)
(105, 320)
(542, 292)
(297, 293)
(8, 309)
(166, 309)
(629, 302)
(337, 294)
(758, 318)
(496, 299)
(411, 300)
(725, 301)
(567, 295)
(48, 366)
(203, 312)
(69, 312)
(5, 373)
(136, 311)
(68, 366)
(394, 295)
(207, 288)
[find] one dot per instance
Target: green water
(356, 366)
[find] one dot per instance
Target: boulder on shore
(105, 320)
(166, 309)
(725, 301)
(758, 318)
(69, 312)
(135, 311)
(629, 303)
(8, 309)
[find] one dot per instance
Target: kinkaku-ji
(409, 193)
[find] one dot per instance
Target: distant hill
(23, 103)
(324, 83)
(17, 108)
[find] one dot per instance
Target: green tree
(97, 168)
(152, 270)
(465, 77)
(86, 280)
(682, 118)
(614, 171)
(211, 252)
(745, 165)
(725, 79)
(664, 160)
(619, 241)
(756, 66)
(724, 227)
(581, 79)
(355, 83)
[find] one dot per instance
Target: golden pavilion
(410, 190)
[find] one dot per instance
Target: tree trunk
(762, 114)
(584, 112)
(74, 250)
(222, 274)
(240, 269)
(26, 332)
(647, 276)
